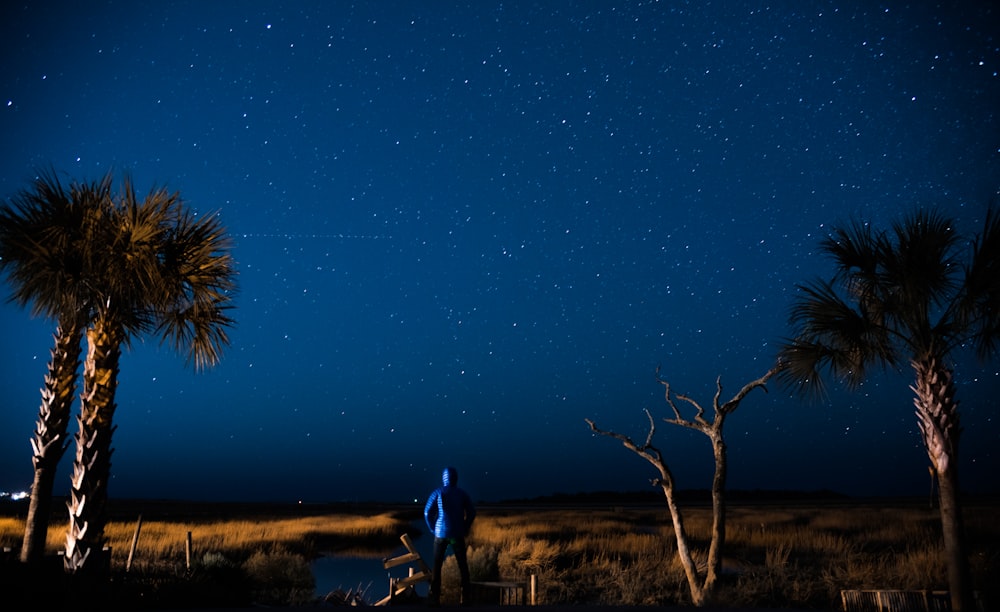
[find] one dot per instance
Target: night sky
(463, 228)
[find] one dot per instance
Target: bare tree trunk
(666, 482)
(50, 441)
(698, 591)
(701, 591)
(718, 505)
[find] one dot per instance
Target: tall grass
(230, 561)
(774, 557)
(163, 540)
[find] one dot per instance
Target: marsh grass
(256, 559)
(774, 556)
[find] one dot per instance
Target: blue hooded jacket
(449, 511)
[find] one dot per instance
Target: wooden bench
(874, 600)
(502, 593)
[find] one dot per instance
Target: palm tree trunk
(959, 576)
(937, 412)
(50, 441)
(92, 466)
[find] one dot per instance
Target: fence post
(187, 552)
(135, 542)
(534, 587)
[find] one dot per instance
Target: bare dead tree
(701, 590)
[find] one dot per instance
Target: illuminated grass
(774, 556)
(162, 541)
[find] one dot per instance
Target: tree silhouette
(160, 270)
(701, 589)
(905, 296)
(45, 232)
(110, 267)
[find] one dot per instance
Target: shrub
(280, 577)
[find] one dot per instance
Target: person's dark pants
(440, 550)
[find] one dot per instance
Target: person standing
(449, 513)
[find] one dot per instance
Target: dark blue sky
(463, 228)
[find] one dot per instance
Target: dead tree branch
(701, 591)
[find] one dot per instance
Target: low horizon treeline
(128, 506)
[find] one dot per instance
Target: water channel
(362, 570)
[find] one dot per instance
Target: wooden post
(135, 542)
(398, 586)
(187, 550)
(534, 588)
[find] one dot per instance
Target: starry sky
(461, 228)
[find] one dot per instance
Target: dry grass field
(776, 556)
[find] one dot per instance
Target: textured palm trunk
(50, 440)
(937, 414)
(92, 466)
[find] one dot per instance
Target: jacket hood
(449, 477)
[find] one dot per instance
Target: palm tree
(905, 295)
(44, 233)
(162, 271)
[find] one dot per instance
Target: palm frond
(822, 315)
(46, 240)
(920, 271)
(801, 372)
(198, 330)
(894, 297)
(198, 286)
(854, 249)
(978, 310)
